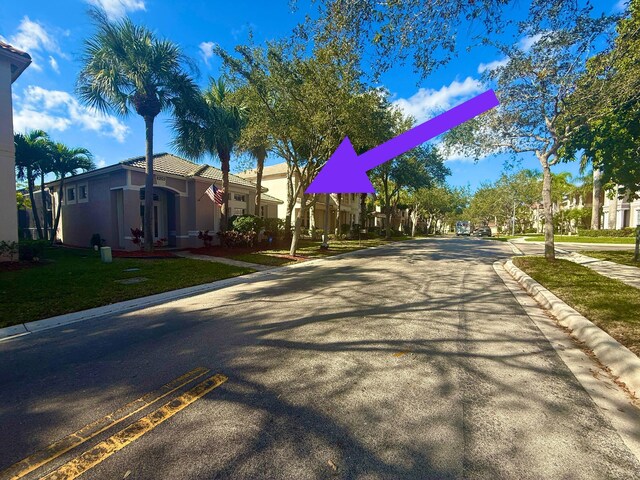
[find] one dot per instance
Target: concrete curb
(514, 248)
(15, 331)
(619, 359)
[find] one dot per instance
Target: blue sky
(53, 31)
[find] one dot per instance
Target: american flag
(215, 194)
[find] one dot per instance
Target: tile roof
(12, 49)
(173, 165)
(278, 168)
(269, 198)
(18, 59)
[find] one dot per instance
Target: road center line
(59, 447)
(124, 437)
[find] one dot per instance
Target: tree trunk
(597, 195)
(549, 248)
(325, 233)
(363, 211)
(147, 228)
(225, 162)
(339, 206)
(58, 211)
(43, 201)
(414, 221)
(259, 170)
(299, 218)
(291, 203)
(34, 208)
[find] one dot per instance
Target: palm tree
(31, 153)
(67, 161)
(212, 124)
(126, 67)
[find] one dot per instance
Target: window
(238, 211)
(71, 194)
(239, 197)
(82, 193)
(262, 211)
(638, 217)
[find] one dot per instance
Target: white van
(463, 227)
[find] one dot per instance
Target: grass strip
(611, 305)
(579, 239)
(624, 257)
(72, 280)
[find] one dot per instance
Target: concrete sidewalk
(226, 261)
(624, 273)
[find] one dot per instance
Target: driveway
(408, 361)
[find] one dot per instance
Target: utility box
(105, 254)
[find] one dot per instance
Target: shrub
(345, 228)
(9, 249)
(205, 237)
(623, 232)
(137, 235)
(32, 250)
(234, 238)
(246, 223)
(96, 240)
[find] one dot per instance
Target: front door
(159, 215)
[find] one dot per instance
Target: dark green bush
(623, 232)
(32, 250)
(246, 223)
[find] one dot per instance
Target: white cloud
(206, 50)
(33, 38)
(117, 8)
(100, 161)
(427, 101)
(54, 64)
(483, 67)
(39, 108)
(529, 41)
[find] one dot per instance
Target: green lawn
(309, 248)
(608, 303)
(579, 239)
(73, 280)
(262, 259)
(623, 257)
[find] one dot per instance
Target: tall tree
(126, 67)
(310, 105)
(32, 151)
(425, 33)
(66, 161)
(211, 124)
(421, 167)
(533, 86)
(605, 107)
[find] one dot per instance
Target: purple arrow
(346, 172)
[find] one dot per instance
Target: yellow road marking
(59, 447)
(124, 437)
(400, 354)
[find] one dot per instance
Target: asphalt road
(410, 361)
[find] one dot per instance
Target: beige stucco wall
(8, 208)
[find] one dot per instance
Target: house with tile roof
(12, 63)
(343, 210)
(109, 201)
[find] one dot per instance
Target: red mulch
(143, 254)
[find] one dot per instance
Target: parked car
(482, 232)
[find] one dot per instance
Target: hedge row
(623, 232)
